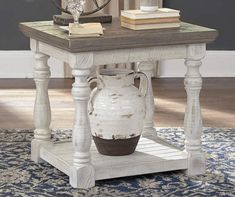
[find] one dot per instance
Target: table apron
(113, 56)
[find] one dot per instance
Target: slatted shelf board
(152, 155)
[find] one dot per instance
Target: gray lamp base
(65, 19)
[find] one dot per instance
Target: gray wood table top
(117, 37)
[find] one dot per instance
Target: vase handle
(98, 87)
(143, 88)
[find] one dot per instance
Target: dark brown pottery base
(118, 147)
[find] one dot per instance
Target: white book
(150, 26)
(84, 30)
(160, 13)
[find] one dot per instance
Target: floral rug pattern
(19, 176)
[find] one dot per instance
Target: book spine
(150, 21)
(150, 16)
(148, 27)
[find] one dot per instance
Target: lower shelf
(152, 155)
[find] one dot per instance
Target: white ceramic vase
(117, 111)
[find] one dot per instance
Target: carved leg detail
(147, 68)
(193, 121)
(82, 173)
(42, 111)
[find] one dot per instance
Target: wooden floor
(217, 102)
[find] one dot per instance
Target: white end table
(79, 159)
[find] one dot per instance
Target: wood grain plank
(117, 37)
(142, 161)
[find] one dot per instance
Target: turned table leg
(193, 120)
(42, 111)
(147, 68)
(82, 172)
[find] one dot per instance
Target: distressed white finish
(193, 119)
(117, 107)
(151, 155)
(147, 68)
(42, 104)
(82, 172)
(139, 54)
(85, 165)
(120, 55)
(42, 111)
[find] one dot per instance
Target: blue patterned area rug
(21, 177)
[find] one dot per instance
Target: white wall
(19, 64)
(215, 64)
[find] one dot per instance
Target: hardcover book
(150, 21)
(160, 13)
(150, 26)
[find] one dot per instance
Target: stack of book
(160, 19)
(85, 30)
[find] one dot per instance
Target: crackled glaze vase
(117, 111)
